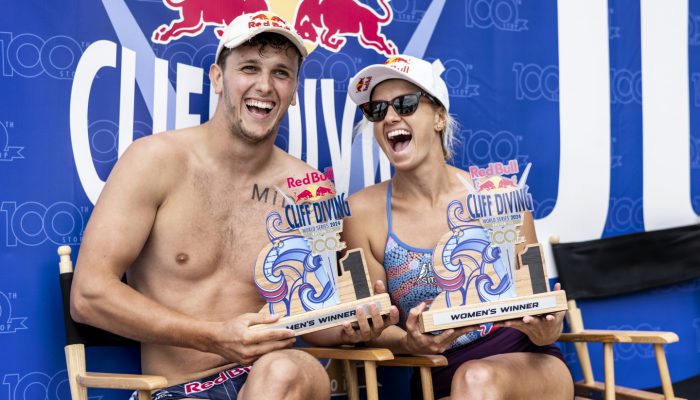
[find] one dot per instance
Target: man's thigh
(525, 375)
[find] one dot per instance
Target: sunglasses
(404, 105)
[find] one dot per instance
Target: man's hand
(426, 343)
(542, 330)
(235, 342)
(366, 329)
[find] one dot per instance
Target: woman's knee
(478, 379)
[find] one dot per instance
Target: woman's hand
(416, 342)
(542, 330)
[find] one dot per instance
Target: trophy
(482, 276)
(298, 272)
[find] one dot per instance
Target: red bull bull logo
(507, 183)
(313, 193)
(486, 186)
(196, 15)
(363, 84)
(330, 23)
(303, 195)
(399, 63)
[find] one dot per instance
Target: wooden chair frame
(589, 387)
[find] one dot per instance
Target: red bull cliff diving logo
(496, 198)
(323, 23)
(315, 209)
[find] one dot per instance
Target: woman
(397, 223)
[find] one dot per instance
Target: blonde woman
(398, 223)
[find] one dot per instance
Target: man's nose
(264, 83)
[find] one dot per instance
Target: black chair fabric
(628, 263)
(85, 334)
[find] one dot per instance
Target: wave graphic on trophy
(482, 276)
(298, 273)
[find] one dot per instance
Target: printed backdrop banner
(603, 97)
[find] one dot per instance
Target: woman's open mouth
(399, 139)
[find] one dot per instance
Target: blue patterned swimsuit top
(410, 278)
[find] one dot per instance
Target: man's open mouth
(259, 107)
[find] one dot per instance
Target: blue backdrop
(602, 97)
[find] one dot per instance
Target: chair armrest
(596, 336)
(416, 360)
(349, 353)
(620, 336)
(121, 381)
(656, 337)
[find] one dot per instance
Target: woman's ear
(440, 120)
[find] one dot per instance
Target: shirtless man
(177, 216)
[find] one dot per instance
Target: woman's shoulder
(370, 200)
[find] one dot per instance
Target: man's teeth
(397, 133)
(260, 104)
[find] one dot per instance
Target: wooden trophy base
(328, 317)
(499, 310)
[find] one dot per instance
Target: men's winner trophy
(482, 275)
(297, 272)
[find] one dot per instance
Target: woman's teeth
(399, 139)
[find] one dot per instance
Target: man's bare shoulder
(290, 164)
(164, 149)
(152, 165)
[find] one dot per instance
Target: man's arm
(116, 233)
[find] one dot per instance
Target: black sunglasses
(404, 105)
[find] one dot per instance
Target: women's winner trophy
(297, 272)
(486, 271)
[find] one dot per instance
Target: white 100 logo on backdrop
(37, 385)
(32, 223)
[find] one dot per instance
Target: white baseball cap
(246, 26)
(421, 73)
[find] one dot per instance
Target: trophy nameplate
(482, 276)
(297, 272)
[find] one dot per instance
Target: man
(177, 216)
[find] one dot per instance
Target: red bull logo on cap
(266, 19)
(363, 84)
(398, 63)
(196, 15)
(330, 23)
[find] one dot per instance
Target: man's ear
(216, 78)
(294, 95)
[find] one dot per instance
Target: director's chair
(617, 265)
(78, 336)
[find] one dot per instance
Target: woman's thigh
(513, 376)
